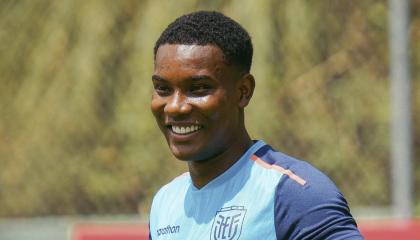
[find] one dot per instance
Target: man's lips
(184, 128)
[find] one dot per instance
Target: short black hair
(210, 27)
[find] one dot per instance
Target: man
(236, 188)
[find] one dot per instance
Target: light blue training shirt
(264, 195)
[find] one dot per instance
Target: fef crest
(227, 224)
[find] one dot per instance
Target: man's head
(202, 85)
(211, 28)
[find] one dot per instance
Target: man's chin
(183, 153)
(187, 154)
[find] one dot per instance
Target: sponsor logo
(227, 224)
(168, 230)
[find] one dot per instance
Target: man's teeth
(185, 130)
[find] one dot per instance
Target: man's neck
(202, 172)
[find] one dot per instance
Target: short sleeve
(314, 210)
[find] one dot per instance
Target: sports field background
(77, 137)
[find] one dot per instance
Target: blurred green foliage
(76, 133)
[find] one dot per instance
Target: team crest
(227, 224)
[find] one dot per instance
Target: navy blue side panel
(315, 210)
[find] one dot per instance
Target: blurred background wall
(77, 136)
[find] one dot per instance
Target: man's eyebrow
(199, 77)
(158, 78)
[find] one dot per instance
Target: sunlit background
(77, 137)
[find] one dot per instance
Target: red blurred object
(371, 230)
(110, 231)
(390, 229)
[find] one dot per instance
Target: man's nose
(177, 104)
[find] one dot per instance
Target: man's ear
(246, 86)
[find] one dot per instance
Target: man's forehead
(189, 51)
(196, 60)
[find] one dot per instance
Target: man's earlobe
(246, 88)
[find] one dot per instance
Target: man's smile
(184, 130)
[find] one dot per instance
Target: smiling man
(236, 187)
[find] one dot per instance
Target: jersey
(264, 195)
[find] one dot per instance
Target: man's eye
(200, 89)
(162, 89)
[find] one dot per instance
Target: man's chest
(216, 218)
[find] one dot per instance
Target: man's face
(195, 100)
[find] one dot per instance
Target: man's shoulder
(300, 180)
(296, 172)
(306, 199)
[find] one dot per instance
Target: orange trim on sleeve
(287, 172)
